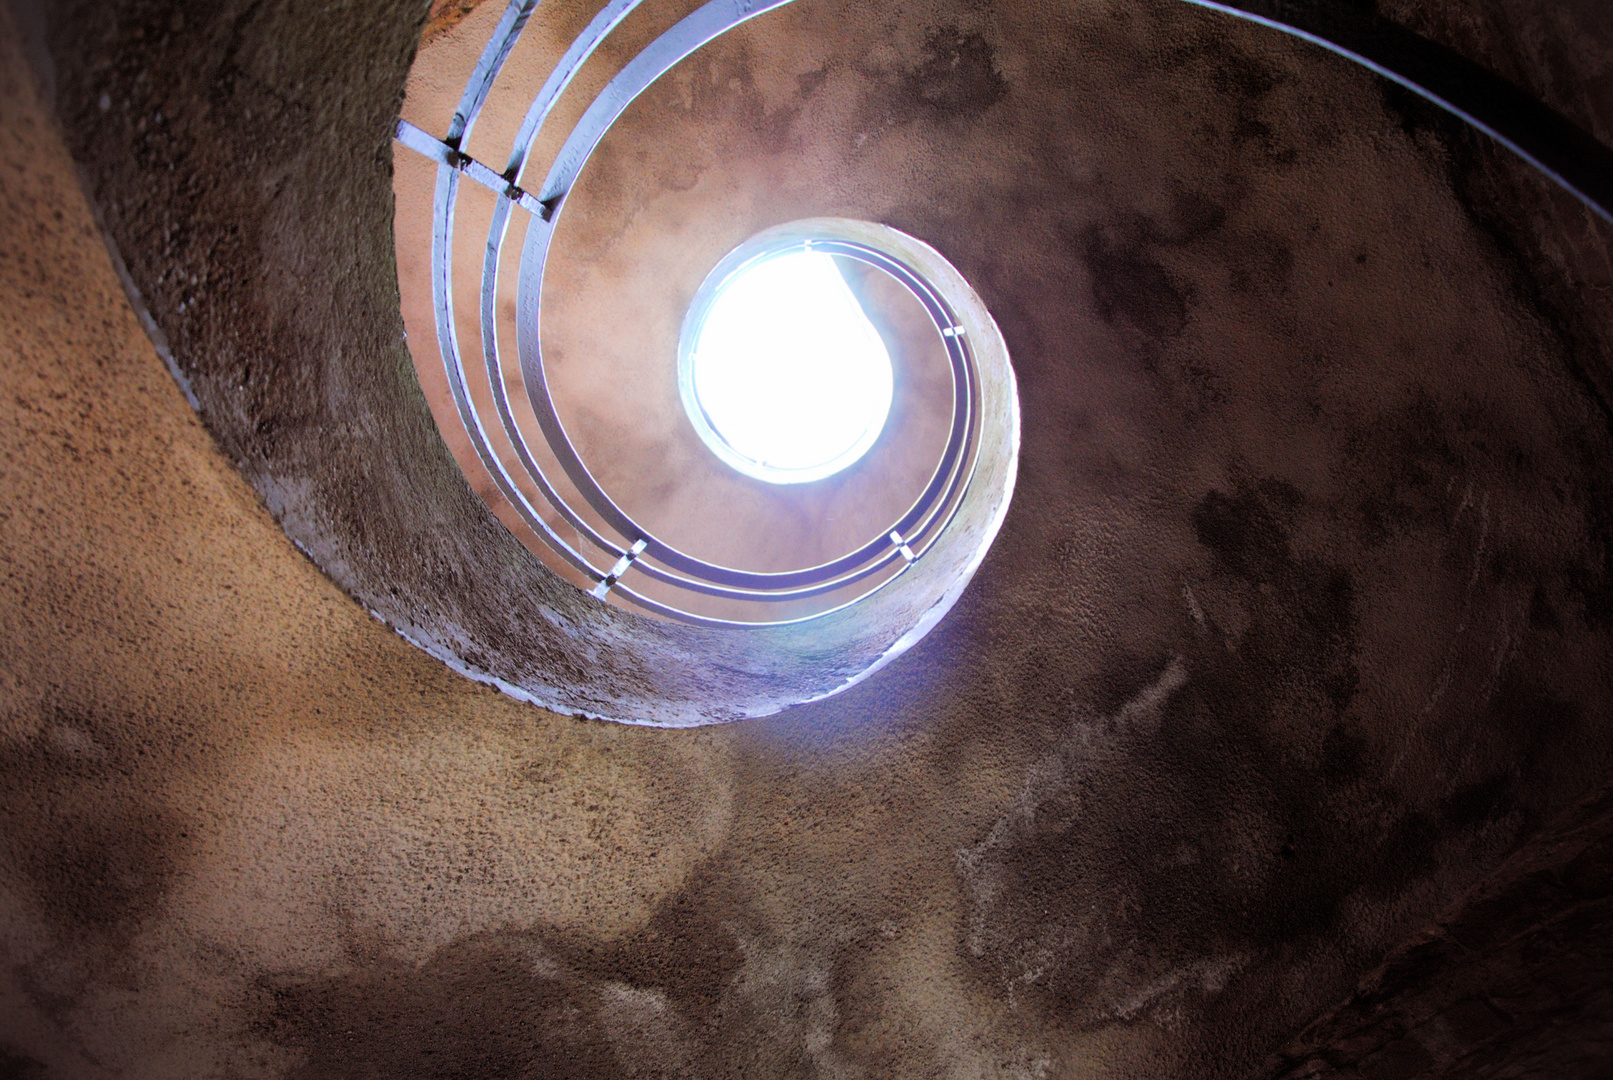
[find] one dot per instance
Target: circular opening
(565, 405)
(782, 372)
(826, 349)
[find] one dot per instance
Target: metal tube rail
(1544, 139)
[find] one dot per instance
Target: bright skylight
(788, 371)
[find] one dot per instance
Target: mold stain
(1128, 284)
(957, 79)
(954, 83)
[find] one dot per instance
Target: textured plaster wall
(217, 770)
(1516, 980)
(1298, 627)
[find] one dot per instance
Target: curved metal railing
(605, 554)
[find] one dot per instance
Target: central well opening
(785, 376)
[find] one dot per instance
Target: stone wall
(1301, 624)
(1515, 980)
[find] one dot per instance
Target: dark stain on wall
(1218, 821)
(1513, 978)
(491, 1005)
(15, 1065)
(954, 82)
(1127, 284)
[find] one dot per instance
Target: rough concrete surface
(1516, 980)
(246, 180)
(445, 15)
(404, 537)
(1299, 624)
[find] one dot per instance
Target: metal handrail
(1543, 138)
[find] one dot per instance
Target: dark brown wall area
(1515, 980)
(1296, 639)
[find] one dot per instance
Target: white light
(788, 372)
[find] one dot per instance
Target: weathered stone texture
(1516, 980)
(1301, 624)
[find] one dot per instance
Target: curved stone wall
(1299, 623)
